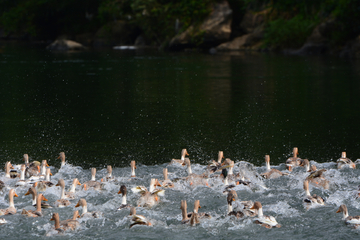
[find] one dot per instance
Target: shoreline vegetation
(320, 27)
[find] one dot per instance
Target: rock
(215, 29)
(65, 45)
(116, 33)
(252, 20)
(250, 41)
(318, 41)
(351, 49)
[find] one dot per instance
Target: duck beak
(119, 192)
(289, 168)
(52, 219)
(47, 165)
(338, 211)
(51, 174)
(44, 199)
(85, 187)
(77, 205)
(27, 193)
(78, 183)
(15, 195)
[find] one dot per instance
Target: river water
(108, 107)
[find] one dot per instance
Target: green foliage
(288, 33)
(47, 17)
(157, 18)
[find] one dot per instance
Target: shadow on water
(110, 107)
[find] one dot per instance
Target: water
(110, 107)
(280, 197)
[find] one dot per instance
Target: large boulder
(250, 41)
(318, 41)
(65, 45)
(215, 29)
(116, 33)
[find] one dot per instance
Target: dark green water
(110, 107)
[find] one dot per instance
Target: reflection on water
(110, 107)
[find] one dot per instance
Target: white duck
(22, 181)
(349, 220)
(263, 220)
(314, 199)
(133, 167)
(345, 162)
(293, 161)
(82, 203)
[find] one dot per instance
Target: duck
(82, 203)
(42, 185)
(109, 177)
(215, 165)
(8, 167)
(133, 167)
(44, 164)
(195, 216)
(28, 163)
(293, 161)
(64, 226)
(353, 221)
(62, 202)
(271, 173)
(32, 168)
(150, 197)
(138, 219)
(228, 187)
(180, 161)
(71, 193)
(195, 179)
(93, 183)
(37, 212)
(166, 183)
(2, 221)
(345, 162)
(11, 210)
(244, 206)
(76, 215)
(231, 197)
(316, 177)
(22, 181)
(123, 191)
(314, 199)
(189, 215)
(263, 220)
(183, 207)
(62, 159)
(33, 192)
